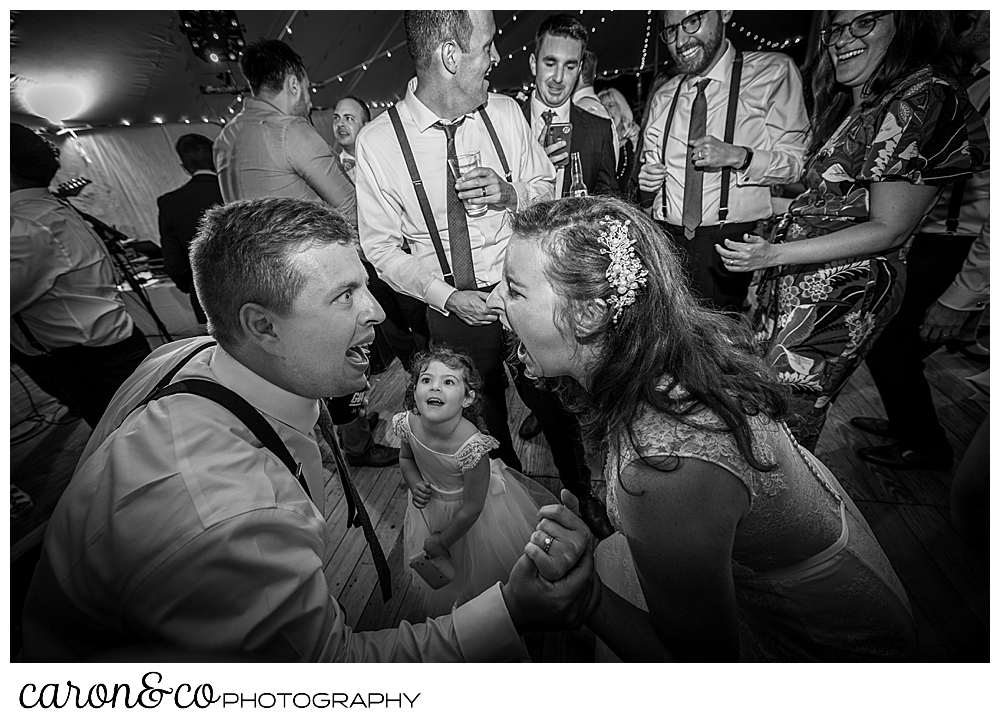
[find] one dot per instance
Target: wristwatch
(746, 163)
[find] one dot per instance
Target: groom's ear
(591, 317)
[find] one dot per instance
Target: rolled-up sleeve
(535, 179)
(778, 155)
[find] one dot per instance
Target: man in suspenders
(947, 286)
(195, 525)
(713, 147)
(407, 196)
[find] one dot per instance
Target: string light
(645, 43)
(126, 123)
(763, 41)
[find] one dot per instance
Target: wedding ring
(549, 539)
(483, 189)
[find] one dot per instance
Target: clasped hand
(553, 586)
(755, 253)
(470, 307)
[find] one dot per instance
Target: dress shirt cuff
(438, 293)
(959, 299)
(485, 632)
(754, 173)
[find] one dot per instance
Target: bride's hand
(559, 539)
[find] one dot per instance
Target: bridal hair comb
(625, 272)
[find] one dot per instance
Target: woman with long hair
(628, 133)
(891, 127)
(734, 542)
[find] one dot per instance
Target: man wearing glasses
(713, 148)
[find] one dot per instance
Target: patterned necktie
(458, 226)
(693, 178)
(547, 115)
(357, 515)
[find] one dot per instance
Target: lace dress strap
(472, 451)
(401, 425)
(659, 435)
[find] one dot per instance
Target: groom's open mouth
(359, 354)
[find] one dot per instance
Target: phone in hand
(435, 571)
(560, 132)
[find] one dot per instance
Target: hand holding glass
(461, 165)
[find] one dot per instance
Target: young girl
(473, 510)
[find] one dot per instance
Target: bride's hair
(705, 358)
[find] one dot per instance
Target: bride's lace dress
(811, 581)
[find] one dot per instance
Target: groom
(182, 534)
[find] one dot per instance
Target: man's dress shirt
(61, 278)
(388, 209)
(770, 119)
(178, 530)
(264, 152)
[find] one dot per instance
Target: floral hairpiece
(625, 272)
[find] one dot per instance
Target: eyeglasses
(859, 27)
(691, 25)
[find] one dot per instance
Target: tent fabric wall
(130, 168)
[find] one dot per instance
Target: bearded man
(709, 185)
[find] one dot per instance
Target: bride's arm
(680, 527)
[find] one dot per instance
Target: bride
(733, 542)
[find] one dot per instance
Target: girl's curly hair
(460, 362)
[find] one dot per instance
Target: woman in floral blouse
(890, 130)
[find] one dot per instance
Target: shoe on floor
(596, 516)
(873, 425)
(530, 427)
(20, 503)
(378, 456)
(896, 456)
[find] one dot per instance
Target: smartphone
(560, 132)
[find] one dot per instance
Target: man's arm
(316, 163)
(968, 293)
(380, 224)
(267, 598)
(533, 172)
(780, 157)
(175, 261)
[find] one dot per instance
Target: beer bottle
(576, 186)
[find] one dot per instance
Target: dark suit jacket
(593, 141)
(180, 211)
